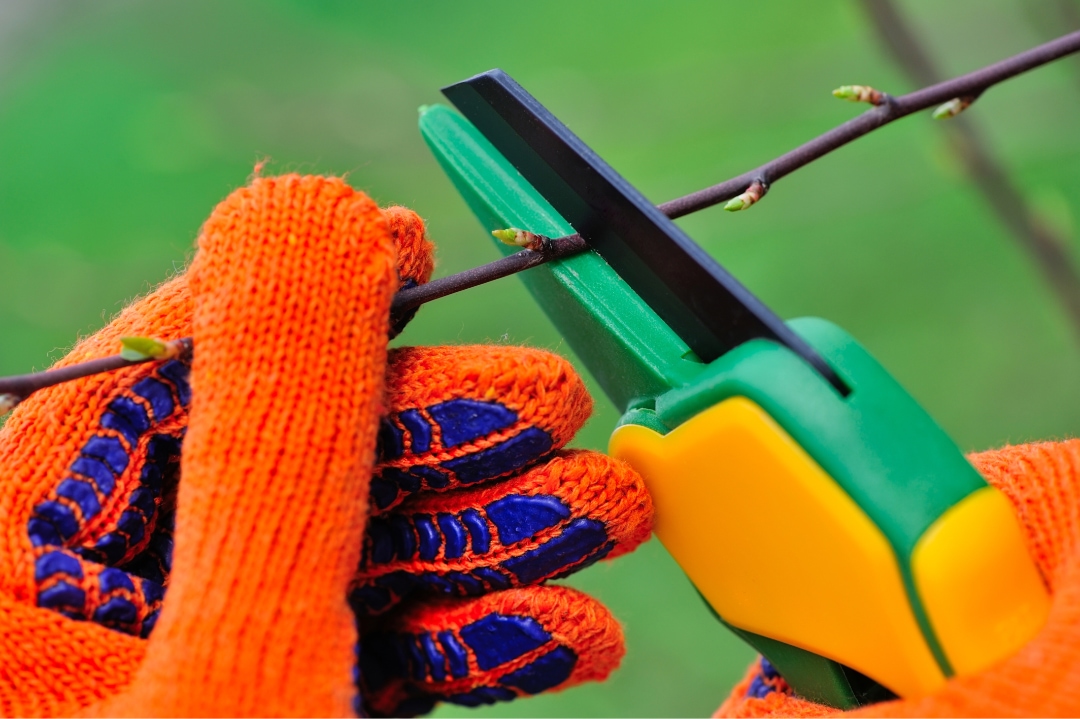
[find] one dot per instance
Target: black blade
(707, 307)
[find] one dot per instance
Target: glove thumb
(291, 287)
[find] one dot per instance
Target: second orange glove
(1043, 679)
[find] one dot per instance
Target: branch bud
(8, 402)
(520, 238)
(859, 93)
(753, 193)
(953, 107)
(141, 349)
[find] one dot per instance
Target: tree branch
(15, 389)
(551, 249)
(891, 109)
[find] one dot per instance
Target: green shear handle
(893, 564)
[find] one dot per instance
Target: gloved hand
(259, 465)
(458, 418)
(1043, 679)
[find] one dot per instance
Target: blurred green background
(123, 123)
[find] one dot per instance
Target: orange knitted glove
(1043, 679)
(288, 300)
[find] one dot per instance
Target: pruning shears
(818, 509)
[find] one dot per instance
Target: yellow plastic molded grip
(982, 593)
(774, 544)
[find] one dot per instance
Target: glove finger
(116, 577)
(292, 285)
(123, 478)
(102, 536)
(84, 473)
(459, 416)
(553, 520)
(497, 647)
(414, 254)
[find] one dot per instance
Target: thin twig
(15, 389)
(890, 109)
(552, 249)
(1047, 250)
(893, 109)
(1053, 17)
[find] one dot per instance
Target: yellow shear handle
(779, 549)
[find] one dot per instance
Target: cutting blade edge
(688, 289)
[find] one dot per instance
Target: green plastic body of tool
(889, 459)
